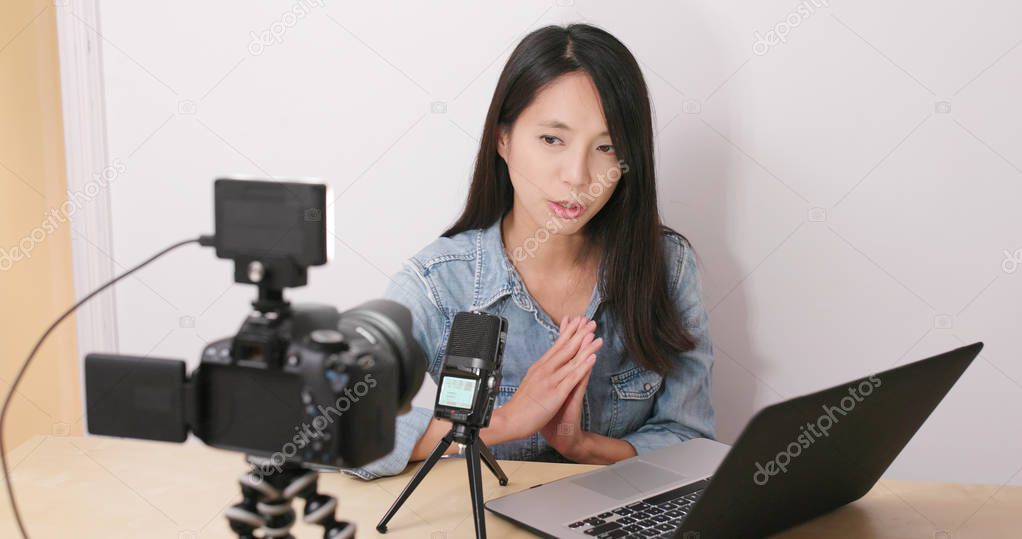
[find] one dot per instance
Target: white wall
(845, 220)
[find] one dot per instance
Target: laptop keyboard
(656, 516)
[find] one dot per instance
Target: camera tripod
(474, 449)
(266, 503)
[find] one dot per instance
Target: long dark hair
(628, 227)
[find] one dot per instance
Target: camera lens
(391, 323)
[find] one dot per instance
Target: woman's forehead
(571, 103)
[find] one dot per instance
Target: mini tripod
(266, 503)
(474, 448)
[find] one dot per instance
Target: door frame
(83, 103)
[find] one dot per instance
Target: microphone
(472, 369)
(467, 389)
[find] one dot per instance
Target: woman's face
(559, 150)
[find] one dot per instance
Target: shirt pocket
(633, 393)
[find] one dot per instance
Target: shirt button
(648, 386)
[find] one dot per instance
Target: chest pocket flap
(636, 383)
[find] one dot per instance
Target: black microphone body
(470, 376)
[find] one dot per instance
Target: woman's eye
(606, 148)
(549, 139)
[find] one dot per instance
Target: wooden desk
(109, 488)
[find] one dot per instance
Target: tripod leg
(424, 468)
(476, 485)
(245, 518)
(491, 463)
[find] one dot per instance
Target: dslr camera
(298, 385)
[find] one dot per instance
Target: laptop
(795, 460)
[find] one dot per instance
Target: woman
(608, 352)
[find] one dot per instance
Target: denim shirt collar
(497, 277)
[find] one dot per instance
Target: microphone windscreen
(474, 335)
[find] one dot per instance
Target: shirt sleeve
(683, 409)
(410, 288)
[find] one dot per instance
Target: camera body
(321, 399)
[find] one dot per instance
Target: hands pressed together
(549, 398)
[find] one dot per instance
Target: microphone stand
(474, 449)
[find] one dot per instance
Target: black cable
(201, 240)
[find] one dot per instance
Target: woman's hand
(549, 381)
(564, 430)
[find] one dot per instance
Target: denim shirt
(471, 271)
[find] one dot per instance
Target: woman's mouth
(566, 209)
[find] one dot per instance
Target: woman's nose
(576, 172)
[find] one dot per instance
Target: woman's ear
(502, 142)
